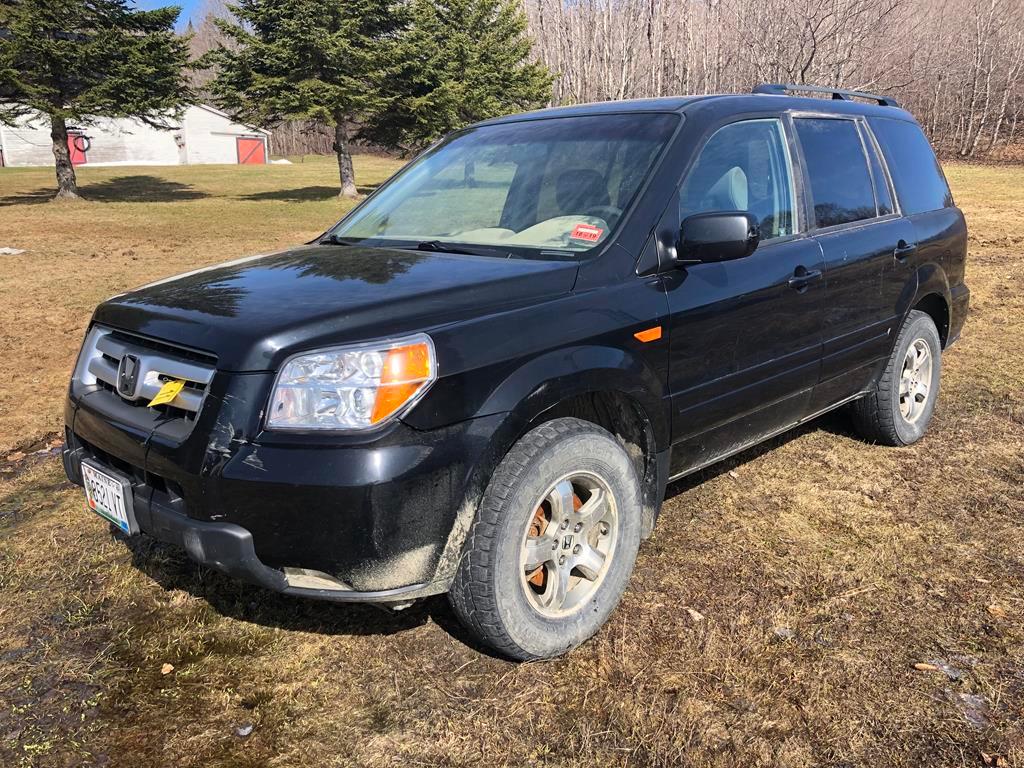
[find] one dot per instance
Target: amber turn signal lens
(406, 370)
(650, 334)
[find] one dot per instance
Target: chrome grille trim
(102, 354)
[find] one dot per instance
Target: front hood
(255, 312)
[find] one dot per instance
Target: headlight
(352, 388)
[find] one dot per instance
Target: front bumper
(229, 548)
(372, 519)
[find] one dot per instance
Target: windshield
(560, 184)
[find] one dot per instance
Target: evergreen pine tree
(315, 60)
(77, 61)
(457, 62)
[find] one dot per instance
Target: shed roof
(226, 116)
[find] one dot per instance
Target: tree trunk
(345, 171)
(67, 184)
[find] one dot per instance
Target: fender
(547, 380)
(931, 278)
(541, 384)
(934, 291)
(928, 279)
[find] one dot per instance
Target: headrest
(730, 192)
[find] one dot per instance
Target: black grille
(160, 346)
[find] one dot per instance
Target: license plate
(108, 495)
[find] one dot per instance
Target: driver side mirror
(717, 236)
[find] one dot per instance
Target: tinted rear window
(841, 186)
(916, 175)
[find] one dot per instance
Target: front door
(746, 334)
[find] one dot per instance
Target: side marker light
(650, 334)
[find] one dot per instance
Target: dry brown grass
(824, 568)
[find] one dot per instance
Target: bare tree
(957, 64)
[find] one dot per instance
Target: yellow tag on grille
(167, 392)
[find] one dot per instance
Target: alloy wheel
(568, 544)
(915, 380)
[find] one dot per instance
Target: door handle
(802, 277)
(903, 250)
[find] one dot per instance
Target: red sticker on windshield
(586, 232)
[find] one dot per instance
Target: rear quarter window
(920, 185)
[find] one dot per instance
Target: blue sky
(189, 8)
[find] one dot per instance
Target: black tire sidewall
(922, 327)
(600, 454)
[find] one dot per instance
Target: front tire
(553, 544)
(899, 408)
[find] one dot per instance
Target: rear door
(745, 334)
(866, 245)
(926, 203)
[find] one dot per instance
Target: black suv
(480, 381)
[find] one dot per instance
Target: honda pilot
(482, 379)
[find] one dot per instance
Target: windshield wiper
(333, 239)
(443, 247)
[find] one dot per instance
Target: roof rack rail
(839, 94)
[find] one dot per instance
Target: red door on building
(251, 151)
(78, 145)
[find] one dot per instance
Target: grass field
(775, 618)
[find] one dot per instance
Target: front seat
(581, 191)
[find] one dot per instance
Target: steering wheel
(609, 213)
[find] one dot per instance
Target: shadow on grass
(304, 194)
(28, 198)
(835, 422)
(171, 568)
(139, 188)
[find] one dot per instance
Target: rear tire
(899, 408)
(553, 544)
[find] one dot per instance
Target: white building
(204, 135)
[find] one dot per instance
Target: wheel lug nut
(554, 546)
(565, 523)
(578, 527)
(577, 549)
(561, 560)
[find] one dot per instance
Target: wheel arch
(937, 308)
(609, 387)
(625, 418)
(560, 375)
(933, 297)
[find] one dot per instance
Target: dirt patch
(29, 452)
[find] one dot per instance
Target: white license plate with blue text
(107, 495)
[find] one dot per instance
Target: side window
(920, 185)
(841, 188)
(883, 197)
(744, 167)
